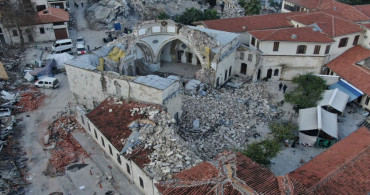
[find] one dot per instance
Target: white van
(47, 82)
(63, 45)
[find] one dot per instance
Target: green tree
(189, 16)
(275, 5)
(163, 16)
(283, 130)
(251, 7)
(355, 2)
(210, 14)
(262, 152)
(308, 91)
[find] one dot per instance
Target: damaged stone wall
(86, 87)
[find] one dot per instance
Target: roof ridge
(341, 167)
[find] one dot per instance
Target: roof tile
(303, 34)
(52, 15)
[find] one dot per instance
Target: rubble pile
(30, 100)
(169, 152)
(64, 148)
(227, 118)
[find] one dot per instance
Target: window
(301, 49)
(82, 119)
(128, 169)
(96, 135)
(327, 49)
(119, 158)
(230, 71)
(343, 42)
(42, 30)
(1, 30)
(102, 141)
(250, 57)
(276, 72)
(253, 41)
(242, 56)
(243, 68)
(367, 101)
(15, 33)
(58, 23)
(110, 150)
(258, 44)
(355, 41)
(276, 46)
(141, 182)
(225, 75)
(88, 124)
(41, 82)
(317, 49)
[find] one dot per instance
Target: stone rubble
(170, 153)
(227, 118)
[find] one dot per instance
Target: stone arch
(147, 50)
(196, 51)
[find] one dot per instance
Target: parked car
(80, 40)
(47, 82)
(61, 46)
(81, 49)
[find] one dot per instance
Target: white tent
(334, 98)
(313, 120)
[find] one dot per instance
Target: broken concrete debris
(226, 119)
(64, 147)
(170, 154)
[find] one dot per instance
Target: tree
(355, 2)
(212, 3)
(163, 16)
(189, 16)
(275, 5)
(262, 152)
(192, 15)
(251, 7)
(283, 130)
(18, 13)
(308, 91)
(210, 14)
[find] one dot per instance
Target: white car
(81, 49)
(80, 40)
(47, 82)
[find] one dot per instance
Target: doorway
(269, 73)
(243, 69)
(189, 58)
(259, 74)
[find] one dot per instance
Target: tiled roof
(256, 22)
(257, 177)
(304, 34)
(316, 4)
(365, 9)
(140, 156)
(113, 125)
(367, 25)
(330, 25)
(234, 174)
(343, 168)
(345, 66)
(52, 15)
(347, 12)
(202, 172)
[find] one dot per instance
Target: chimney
(45, 11)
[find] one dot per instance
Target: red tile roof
(304, 34)
(257, 177)
(343, 168)
(113, 125)
(345, 66)
(366, 25)
(348, 12)
(365, 9)
(314, 4)
(235, 174)
(256, 22)
(202, 172)
(330, 25)
(140, 156)
(53, 15)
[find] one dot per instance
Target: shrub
(283, 130)
(262, 152)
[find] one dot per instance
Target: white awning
(335, 98)
(317, 118)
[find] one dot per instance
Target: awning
(334, 98)
(347, 88)
(317, 118)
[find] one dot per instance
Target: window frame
(327, 49)
(15, 33)
(250, 57)
(299, 47)
(241, 55)
(253, 41)
(141, 181)
(42, 30)
(343, 42)
(317, 49)
(356, 39)
(367, 100)
(276, 46)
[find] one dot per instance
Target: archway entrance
(176, 57)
